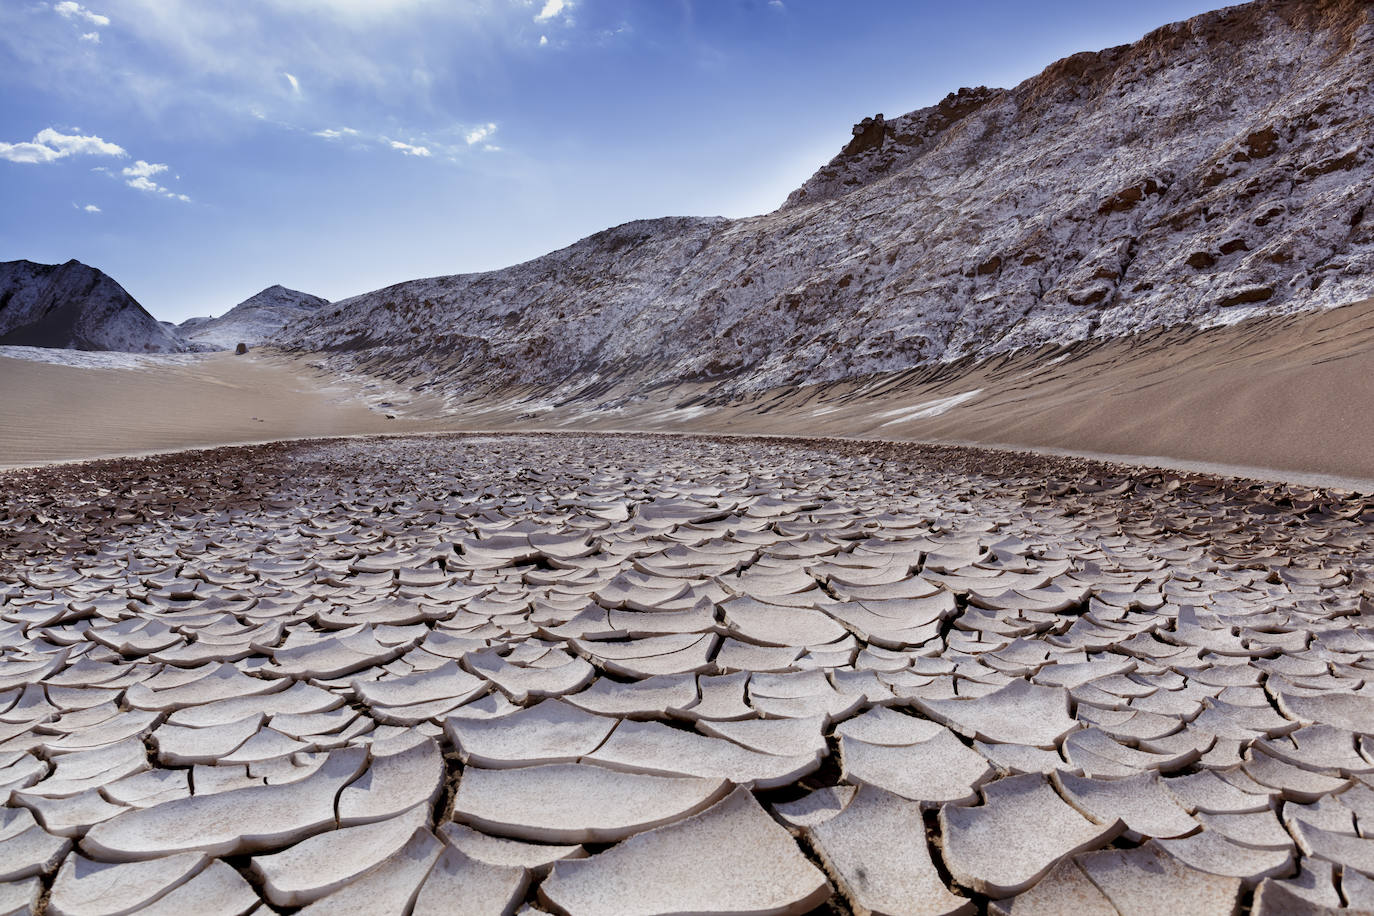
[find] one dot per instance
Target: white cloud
(76, 144)
(89, 208)
(92, 37)
(139, 177)
(543, 40)
(551, 9)
(141, 169)
(777, 4)
(295, 83)
(333, 133)
(478, 134)
(67, 9)
(409, 150)
(50, 145)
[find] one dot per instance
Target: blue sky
(199, 151)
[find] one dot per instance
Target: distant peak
(277, 291)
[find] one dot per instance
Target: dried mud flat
(604, 674)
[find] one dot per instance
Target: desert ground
(622, 674)
(753, 656)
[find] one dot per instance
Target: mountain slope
(1216, 168)
(75, 307)
(256, 320)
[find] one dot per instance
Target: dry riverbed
(664, 674)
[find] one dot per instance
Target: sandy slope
(56, 412)
(1292, 393)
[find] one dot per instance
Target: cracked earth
(618, 675)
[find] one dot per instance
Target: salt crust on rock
(1015, 837)
(241, 820)
(459, 884)
(876, 850)
(322, 864)
(730, 858)
(1018, 713)
(551, 731)
(577, 803)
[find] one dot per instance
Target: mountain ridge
(1215, 169)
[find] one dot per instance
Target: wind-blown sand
(1293, 395)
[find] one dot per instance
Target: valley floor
(1288, 397)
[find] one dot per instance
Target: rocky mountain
(256, 320)
(75, 307)
(1217, 168)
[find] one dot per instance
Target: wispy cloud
(478, 134)
(67, 9)
(49, 145)
(88, 208)
(410, 150)
(452, 144)
(341, 54)
(543, 40)
(388, 67)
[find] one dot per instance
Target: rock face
(1214, 169)
(256, 320)
(75, 307)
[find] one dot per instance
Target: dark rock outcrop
(75, 307)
